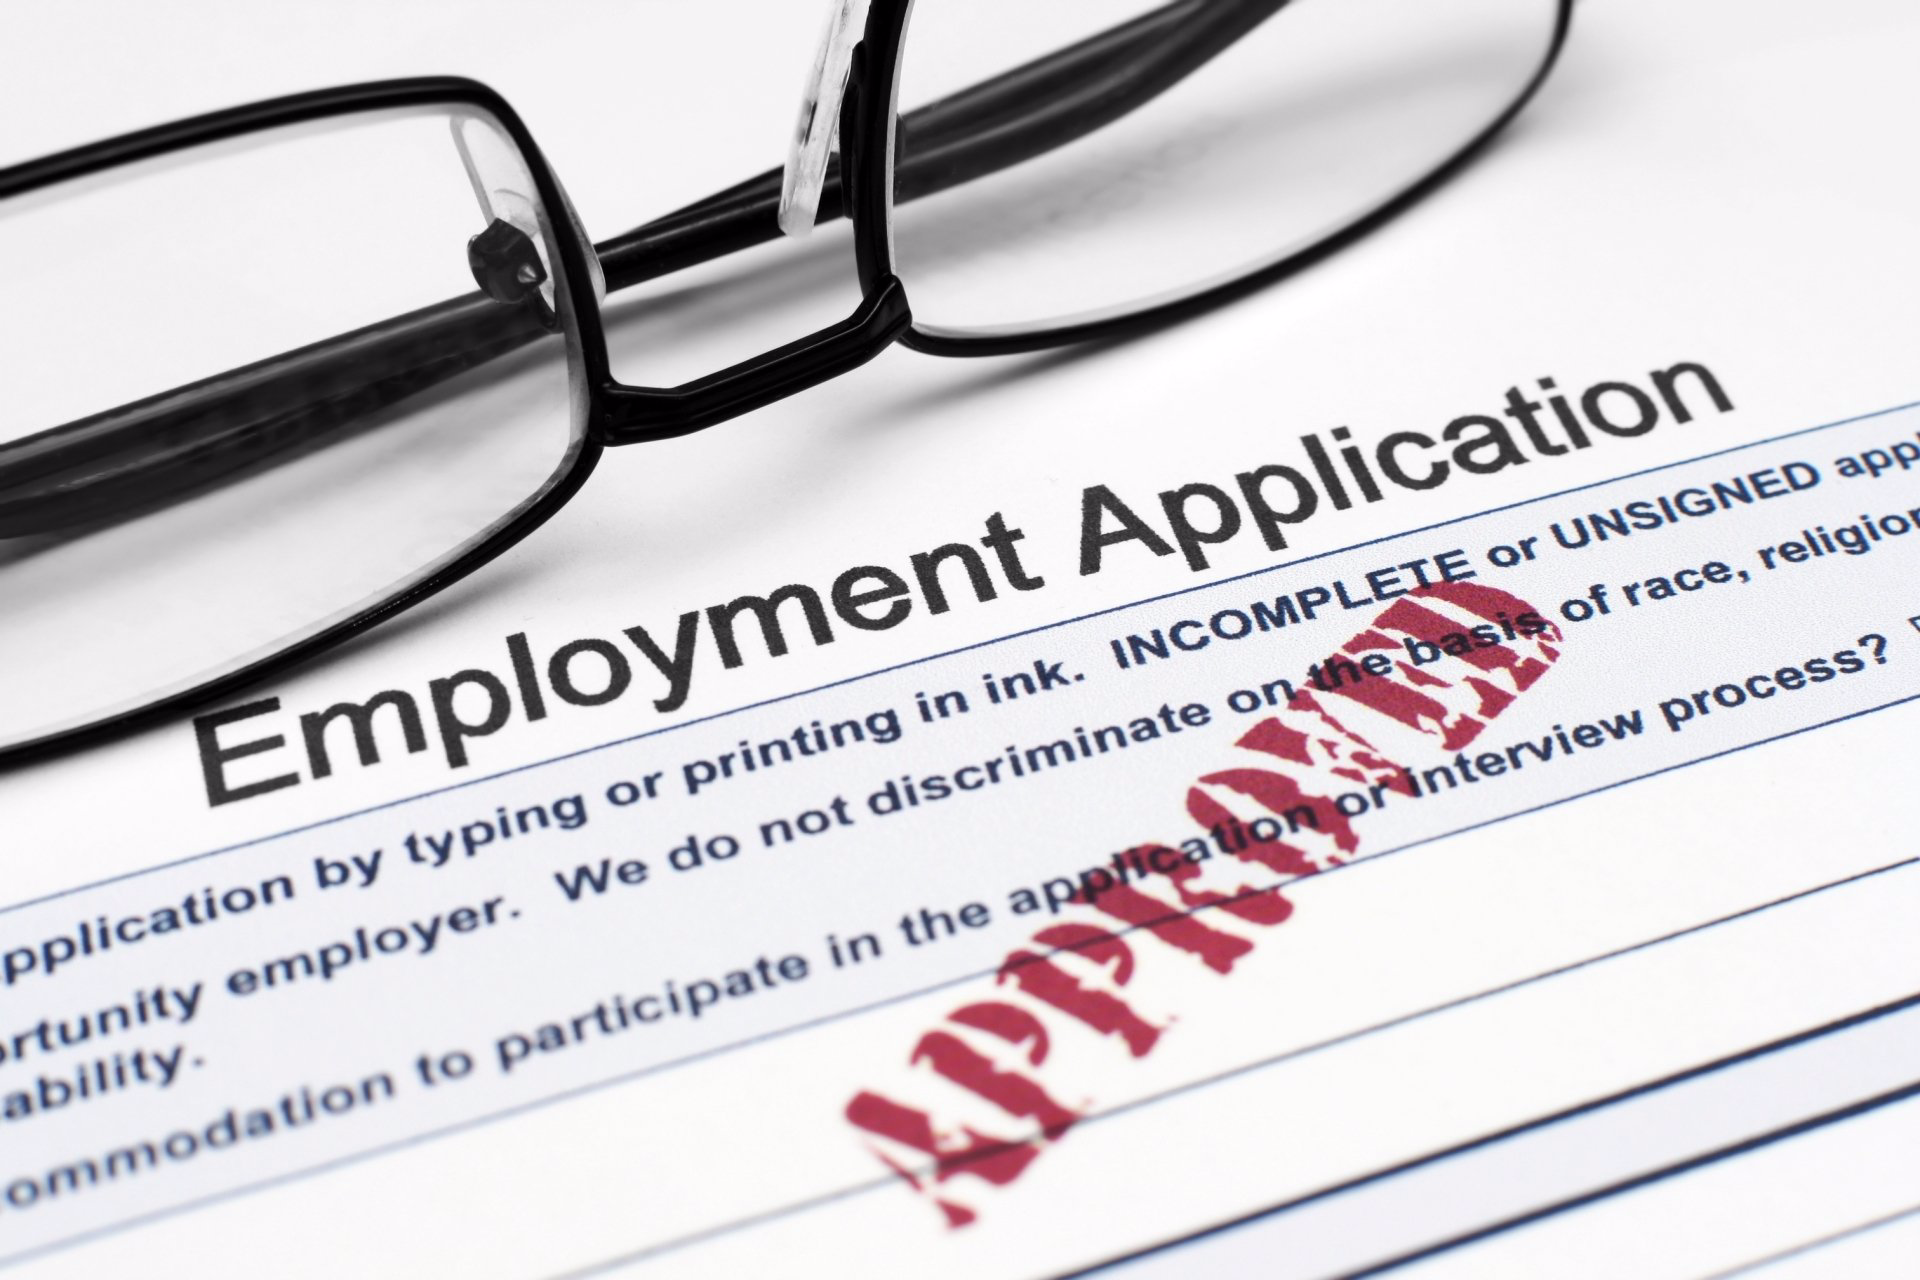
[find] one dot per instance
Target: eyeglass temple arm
(155, 449)
(127, 458)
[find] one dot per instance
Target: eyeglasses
(275, 374)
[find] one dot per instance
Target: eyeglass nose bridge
(635, 415)
(625, 414)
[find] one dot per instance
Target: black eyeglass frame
(863, 189)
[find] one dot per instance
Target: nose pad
(511, 260)
(806, 171)
(505, 262)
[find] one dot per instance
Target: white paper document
(1069, 814)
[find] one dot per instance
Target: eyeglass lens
(200, 470)
(1311, 115)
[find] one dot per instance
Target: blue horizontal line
(811, 1024)
(935, 657)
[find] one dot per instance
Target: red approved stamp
(1203, 902)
